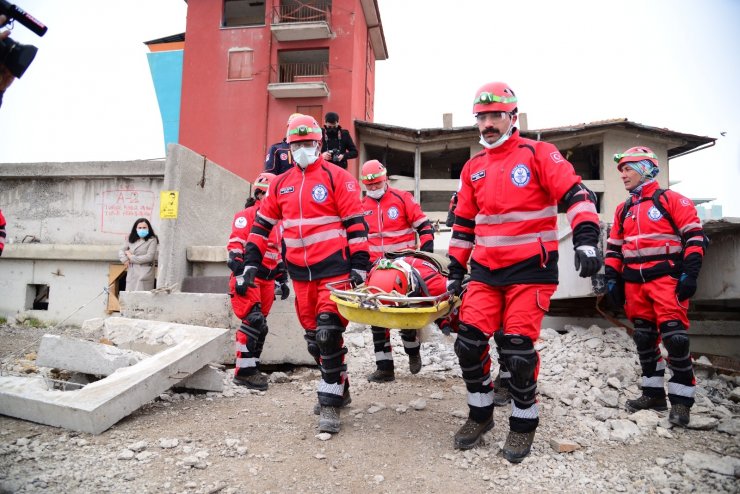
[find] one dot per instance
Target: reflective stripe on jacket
(240, 228)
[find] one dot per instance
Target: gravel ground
(396, 437)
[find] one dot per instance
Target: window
(37, 297)
(244, 13)
(316, 111)
(240, 64)
(303, 65)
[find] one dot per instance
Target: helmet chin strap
(500, 140)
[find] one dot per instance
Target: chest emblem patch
(393, 212)
(654, 214)
(319, 193)
(520, 175)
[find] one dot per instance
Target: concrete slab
(89, 357)
(99, 405)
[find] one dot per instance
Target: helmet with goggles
(373, 172)
(303, 128)
(392, 277)
(635, 154)
(495, 97)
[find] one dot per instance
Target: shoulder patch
(556, 157)
(240, 222)
(350, 186)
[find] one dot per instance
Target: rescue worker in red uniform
(252, 305)
(326, 241)
(507, 209)
(2, 232)
(394, 220)
(653, 258)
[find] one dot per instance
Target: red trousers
(312, 298)
(655, 301)
(264, 293)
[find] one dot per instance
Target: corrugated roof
(167, 39)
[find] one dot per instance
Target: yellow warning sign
(168, 204)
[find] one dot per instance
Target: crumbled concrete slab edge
(99, 405)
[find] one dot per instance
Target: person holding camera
(252, 304)
(337, 145)
(6, 77)
(15, 57)
(2, 232)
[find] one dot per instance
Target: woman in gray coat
(139, 256)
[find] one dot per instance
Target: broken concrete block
(206, 379)
(99, 405)
(84, 356)
(564, 445)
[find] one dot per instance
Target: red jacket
(507, 209)
(394, 221)
(649, 246)
(2, 232)
(436, 283)
(272, 266)
(323, 227)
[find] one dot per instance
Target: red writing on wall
(120, 208)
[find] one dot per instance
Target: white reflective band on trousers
(315, 238)
(245, 363)
(383, 356)
(531, 412)
(681, 390)
(319, 220)
(652, 382)
(652, 251)
(516, 216)
(334, 389)
(509, 240)
(480, 400)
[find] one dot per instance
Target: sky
(88, 96)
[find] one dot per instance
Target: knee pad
(521, 359)
(470, 345)
(498, 337)
(255, 317)
(675, 339)
(329, 331)
(313, 348)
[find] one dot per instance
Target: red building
(248, 65)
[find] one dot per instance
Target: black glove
(587, 260)
(235, 264)
(455, 286)
(245, 280)
(284, 290)
(428, 247)
(686, 287)
(615, 292)
(357, 277)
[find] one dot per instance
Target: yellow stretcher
(389, 310)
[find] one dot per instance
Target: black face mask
(332, 131)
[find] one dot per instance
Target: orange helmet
(494, 96)
(635, 154)
(373, 172)
(391, 277)
(292, 116)
(263, 181)
(303, 128)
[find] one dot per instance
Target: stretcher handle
(384, 297)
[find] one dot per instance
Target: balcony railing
(299, 72)
(307, 11)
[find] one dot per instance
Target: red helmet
(263, 181)
(494, 96)
(303, 128)
(373, 172)
(391, 276)
(637, 153)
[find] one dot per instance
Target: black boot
(415, 363)
(256, 381)
(471, 433)
(517, 446)
(680, 415)
(381, 376)
(501, 393)
(329, 419)
(645, 402)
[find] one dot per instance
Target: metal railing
(299, 72)
(302, 11)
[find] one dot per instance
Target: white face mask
(376, 194)
(305, 156)
(500, 140)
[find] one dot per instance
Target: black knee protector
(521, 361)
(409, 335)
(675, 339)
(471, 343)
(645, 335)
(313, 348)
(329, 331)
(255, 317)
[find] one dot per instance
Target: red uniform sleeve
(264, 221)
(349, 209)
(463, 232)
(687, 220)
(613, 257)
(418, 219)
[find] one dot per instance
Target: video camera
(334, 153)
(17, 57)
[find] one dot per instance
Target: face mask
(305, 156)
(376, 194)
(142, 233)
(500, 140)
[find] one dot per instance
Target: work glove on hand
(245, 279)
(357, 277)
(455, 285)
(587, 260)
(686, 287)
(615, 292)
(236, 265)
(284, 290)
